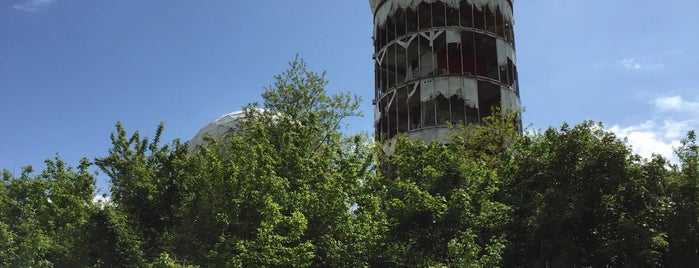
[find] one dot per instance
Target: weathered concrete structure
(440, 62)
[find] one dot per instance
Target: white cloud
(102, 200)
(664, 133)
(32, 5)
(676, 103)
(633, 64)
(649, 138)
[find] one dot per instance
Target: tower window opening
(458, 110)
(382, 127)
(399, 19)
(429, 113)
(426, 58)
(486, 56)
(453, 18)
(411, 20)
(380, 37)
(414, 106)
(402, 109)
(425, 16)
(391, 66)
(390, 30)
(454, 52)
(479, 18)
(490, 20)
(438, 14)
(466, 12)
(413, 60)
(443, 111)
(510, 73)
(468, 50)
(500, 23)
(440, 48)
(401, 64)
(488, 97)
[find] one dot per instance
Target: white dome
(222, 126)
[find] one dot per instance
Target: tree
(145, 184)
(442, 202)
(42, 216)
(582, 199)
(278, 193)
(683, 223)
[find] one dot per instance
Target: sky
(70, 69)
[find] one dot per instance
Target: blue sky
(70, 69)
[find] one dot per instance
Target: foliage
(582, 199)
(289, 189)
(683, 222)
(441, 208)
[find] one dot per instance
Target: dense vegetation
(291, 190)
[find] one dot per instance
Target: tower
(440, 62)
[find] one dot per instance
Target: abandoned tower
(440, 62)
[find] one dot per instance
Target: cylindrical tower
(440, 62)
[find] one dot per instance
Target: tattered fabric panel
(377, 114)
(505, 50)
(388, 8)
(463, 87)
(509, 100)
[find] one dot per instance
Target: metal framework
(439, 62)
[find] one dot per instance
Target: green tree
(582, 199)
(683, 223)
(145, 184)
(441, 205)
(42, 216)
(279, 193)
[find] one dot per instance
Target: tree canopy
(290, 189)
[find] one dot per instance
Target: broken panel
(479, 18)
(468, 53)
(438, 14)
(428, 113)
(425, 16)
(466, 13)
(453, 17)
(443, 111)
(440, 49)
(414, 106)
(454, 52)
(402, 109)
(458, 110)
(488, 98)
(486, 56)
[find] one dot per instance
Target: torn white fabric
(453, 37)
(380, 56)
(509, 100)
(441, 85)
(470, 92)
(382, 9)
(426, 64)
(390, 147)
(504, 51)
(463, 87)
(427, 90)
(377, 114)
(412, 92)
(390, 102)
